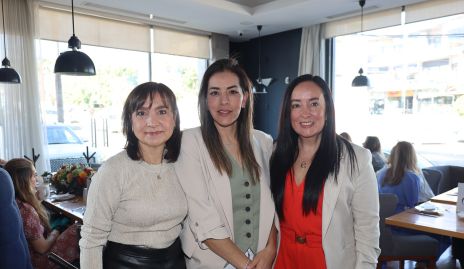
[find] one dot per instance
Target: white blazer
(210, 213)
(350, 215)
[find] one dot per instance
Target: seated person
(346, 136)
(14, 253)
(372, 143)
(40, 237)
(402, 178)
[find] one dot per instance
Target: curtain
(21, 127)
(219, 47)
(311, 51)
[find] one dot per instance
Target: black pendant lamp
(7, 74)
(361, 80)
(74, 62)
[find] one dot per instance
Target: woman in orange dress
(324, 187)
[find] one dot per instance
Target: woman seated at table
(372, 143)
(40, 237)
(402, 178)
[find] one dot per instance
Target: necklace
(158, 176)
(305, 163)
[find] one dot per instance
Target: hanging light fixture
(74, 62)
(361, 80)
(7, 74)
(262, 83)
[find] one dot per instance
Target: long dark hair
(326, 160)
(244, 121)
(135, 101)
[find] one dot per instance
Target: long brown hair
(402, 159)
(21, 171)
(244, 122)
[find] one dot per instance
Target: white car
(65, 147)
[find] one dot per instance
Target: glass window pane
(183, 76)
(90, 107)
(416, 88)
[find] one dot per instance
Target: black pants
(120, 256)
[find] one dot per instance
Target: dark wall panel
(279, 59)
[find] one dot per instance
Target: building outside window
(416, 90)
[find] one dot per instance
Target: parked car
(65, 146)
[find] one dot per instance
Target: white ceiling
(231, 17)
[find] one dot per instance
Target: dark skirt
(121, 256)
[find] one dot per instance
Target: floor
(445, 262)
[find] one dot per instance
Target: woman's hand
(42, 245)
(264, 258)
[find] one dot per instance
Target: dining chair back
(396, 247)
(433, 178)
(14, 252)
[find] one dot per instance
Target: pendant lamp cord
(4, 32)
(361, 3)
(259, 52)
(72, 14)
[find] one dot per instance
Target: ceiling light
(74, 62)
(7, 74)
(361, 80)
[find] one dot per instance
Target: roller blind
(170, 41)
(56, 25)
(417, 12)
(433, 9)
(372, 21)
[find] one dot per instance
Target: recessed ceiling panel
(250, 3)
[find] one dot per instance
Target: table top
(447, 224)
(74, 208)
(449, 197)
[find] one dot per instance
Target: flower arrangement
(72, 178)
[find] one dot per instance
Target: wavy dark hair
(372, 143)
(135, 101)
(244, 122)
(326, 160)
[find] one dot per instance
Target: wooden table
(448, 224)
(449, 197)
(73, 209)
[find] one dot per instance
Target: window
(92, 106)
(416, 92)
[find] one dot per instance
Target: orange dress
(301, 236)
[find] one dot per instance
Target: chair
(13, 245)
(60, 261)
(452, 175)
(403, 247)
(433, 177)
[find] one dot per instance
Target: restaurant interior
(395, 68)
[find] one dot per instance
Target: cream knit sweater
(128, 204)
